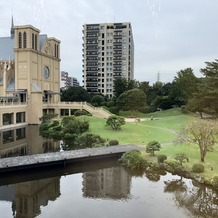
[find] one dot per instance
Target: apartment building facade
(108, 54)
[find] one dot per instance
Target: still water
(100, 189)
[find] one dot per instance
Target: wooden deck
(62, 158)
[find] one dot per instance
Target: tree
(152, 147)
(122, 85)
(202, 132)
(115, 122)
(187, 82)
(97, 100)
(206, 97)
(75, 93)
(132, 100)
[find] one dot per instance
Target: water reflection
(25, 141)
(200, 200)
(26, 198)
(112, 183)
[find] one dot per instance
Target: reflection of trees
(201, 201)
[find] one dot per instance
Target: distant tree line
(186, 91)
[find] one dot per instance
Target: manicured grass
(130, 133)
(162, 129)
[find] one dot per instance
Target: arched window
(24, 39)
(36, 42)
(32, 41)
(20, 40)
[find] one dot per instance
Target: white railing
(4, 104)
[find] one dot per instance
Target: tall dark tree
(74, 93)
(187, 83)
(122, 84)
(206, 98)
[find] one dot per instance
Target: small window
(36, 44)
(32, 41)
(20, 40)
(24, 39)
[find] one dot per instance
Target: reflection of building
(19, 141)
(113, 183)
(28, 197)
(108, 54)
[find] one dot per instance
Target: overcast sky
(169, 35)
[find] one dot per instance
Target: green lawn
(131, 133)
(161, 129)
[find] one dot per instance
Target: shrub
(152, 147)
(115, 122)
(80, 113)
(173, 166)
(198, 168)
(161, 158)
(181, 157)
(90, 140)
(215, 182)
(133, 159)
(113, 142)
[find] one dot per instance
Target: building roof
(6, 48)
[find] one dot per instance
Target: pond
(101, 189)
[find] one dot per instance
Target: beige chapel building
(30, 78)
(29, 74)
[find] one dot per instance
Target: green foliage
(181, 157)
(97, 100)
(152, 147)
(133, 159)
(215, 182)
(115, 122)
(121, 85)
(113, 142)
(80, 113)
(206, 97)
(161, 158)
(47, 117)
(132, 100)
(90, 140)
(75, 93)
(173, 166)
(74, 125)
(198, 168)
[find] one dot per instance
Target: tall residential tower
(108, 54)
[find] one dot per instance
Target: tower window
(20, 40)
(36, 42)
(55, 50)
(32, 41)
(24, 39)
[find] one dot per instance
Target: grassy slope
(158, 129)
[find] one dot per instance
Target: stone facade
(29, 72)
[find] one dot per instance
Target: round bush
(198, 168)
(80, 113)
(161, 158)
(113, 142)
